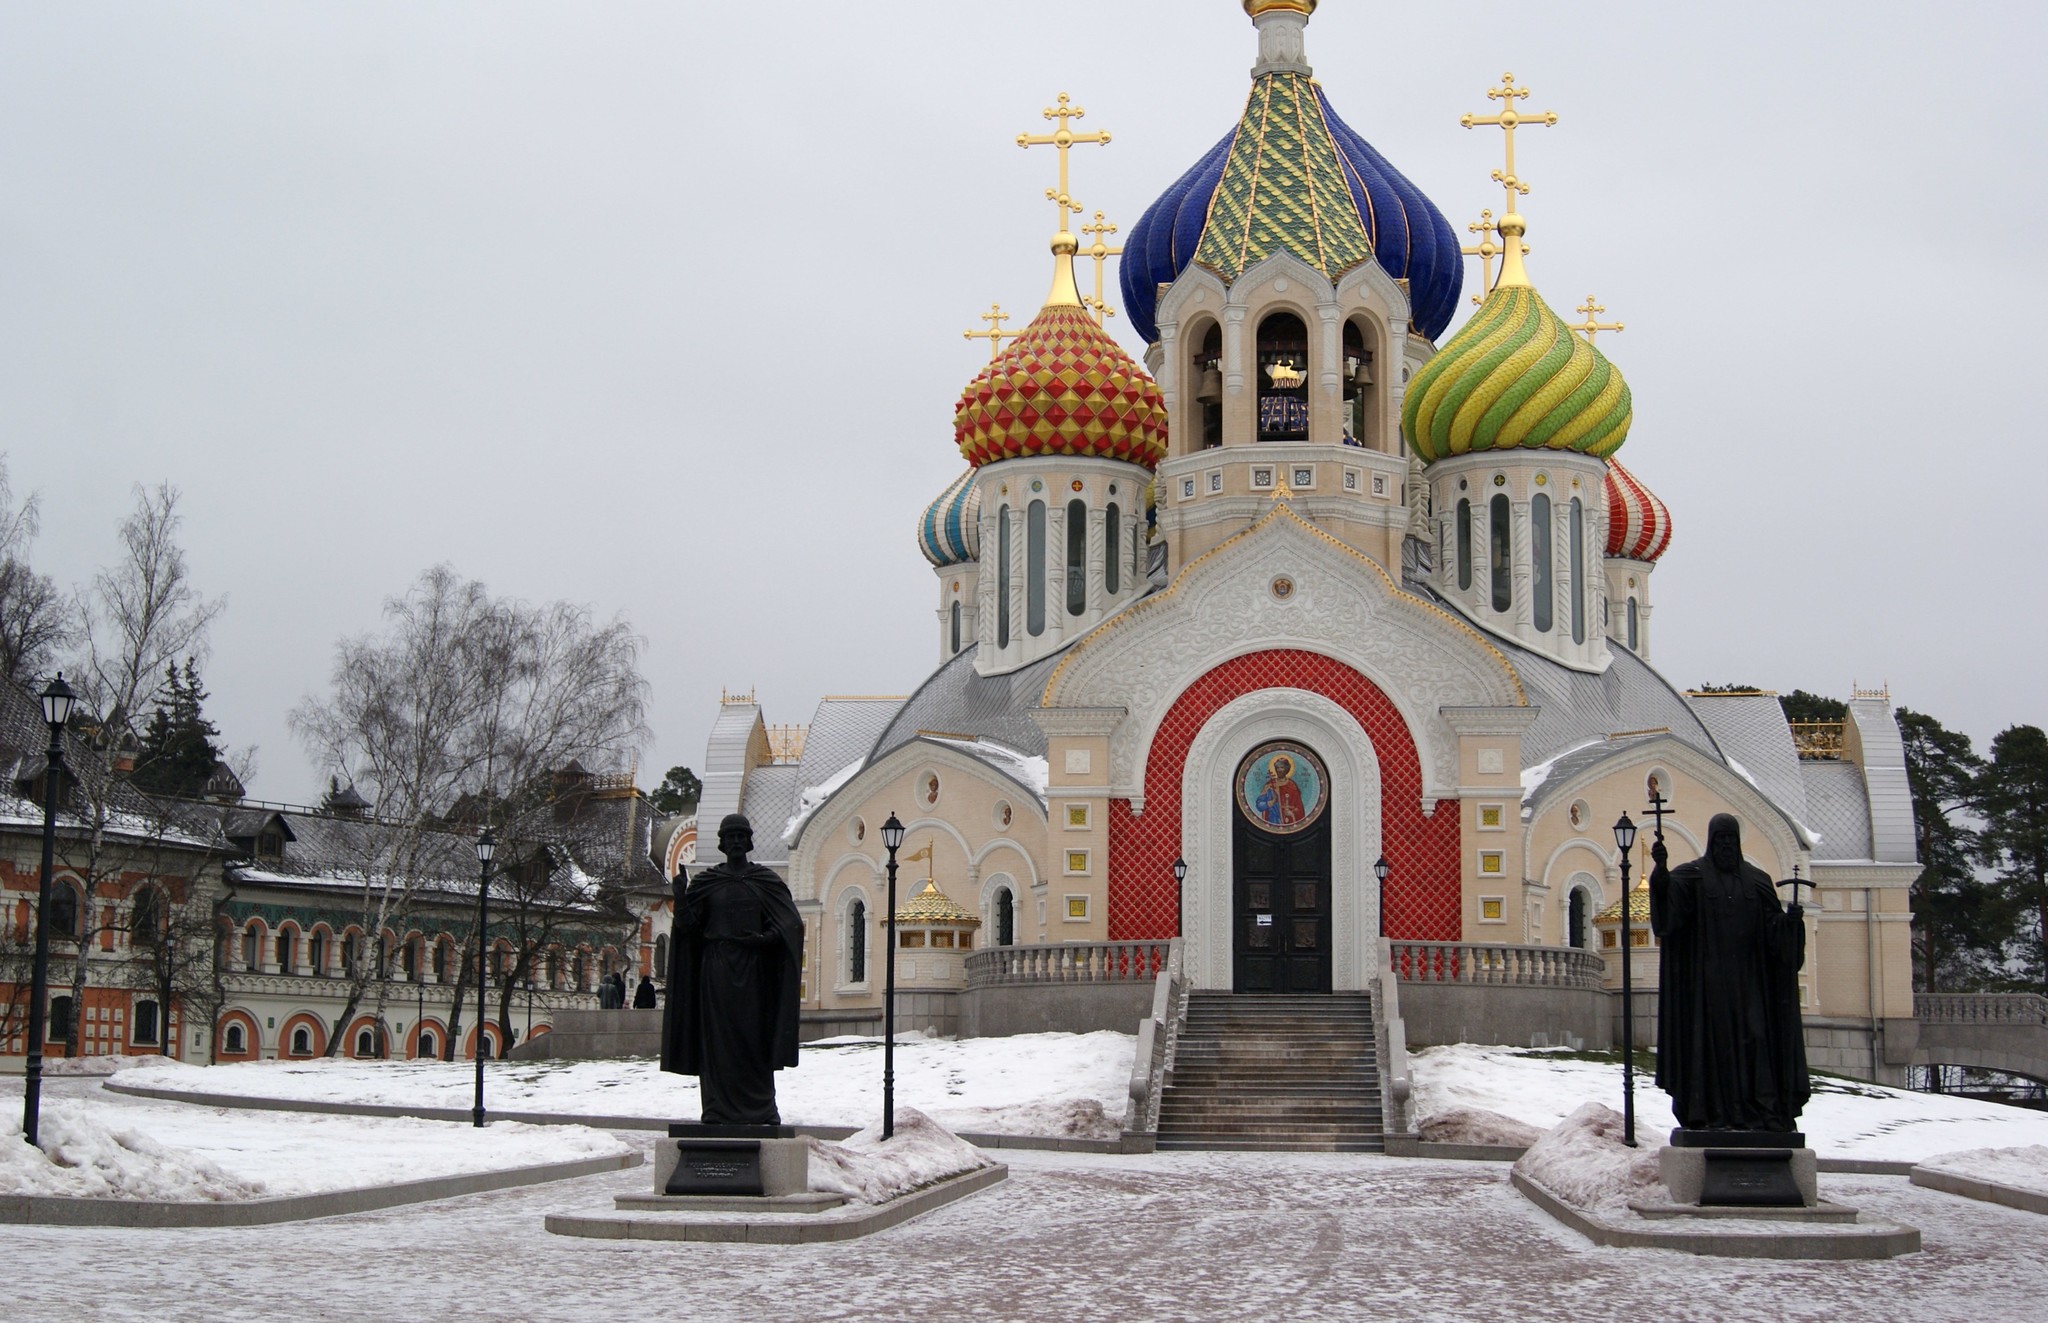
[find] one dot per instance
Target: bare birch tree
(35, 617)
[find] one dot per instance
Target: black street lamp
(1625, 839)
(892, 840)
(1380, 869)
(1180, 877)
(486, 846)
(58, 701)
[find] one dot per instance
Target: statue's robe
(1730, 1050)
(735, 963)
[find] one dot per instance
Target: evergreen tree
(1802, 706)
(2012, 795)
(179, 750)
(677, 792)
(1959, 927)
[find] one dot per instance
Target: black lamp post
(1380, 869)
(58, 701)
(892, 840)
(1625, 838)
(1180, 877)
(486, 846)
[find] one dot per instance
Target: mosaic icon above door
(1282, 787)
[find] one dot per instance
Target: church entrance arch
(1281, 920)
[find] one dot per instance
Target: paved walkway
(1070, 1237)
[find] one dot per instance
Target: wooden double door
(1280, 909)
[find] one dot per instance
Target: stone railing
(1158, 1036)
(1071, 962)
(1981, 1008)
(1497, 965)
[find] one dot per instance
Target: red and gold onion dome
(1062, 387)
(1638, 524)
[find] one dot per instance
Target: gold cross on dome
(1485, 250)
(1590, 328)
(1508, 119)
(1101, 252)
(1063, 138)
(995, 334)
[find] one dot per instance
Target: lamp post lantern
(892, 840)
(58, 702)
(1380, 869)
(486, 846)
(1180, 877)
(1625, 839)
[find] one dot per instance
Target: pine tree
(677, 792)
(179, 749)
(2012, 795)
(1959, 927)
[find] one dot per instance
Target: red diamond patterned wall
(1423, 889)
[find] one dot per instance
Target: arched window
(145, 1023)
(554, 966)
(427, 1044)
(582, 972)
(1360, 399)
(233, 1042)
(857, 942)
(1006, 917)
(412, 960)
(1077, 558)
(252, 948)
(1034, 568)
(366, 1042)
(1003, 577)
(444, 958)
(351, 951)
(1632, 625)
(1576, 926)
(63, 910)
(60, 1020)
(1283, 378)
(1112, 549)
(487, 1045)
(316, 953)
(1499, 542)
(302, 1042)
(661, 956)
(1578, 571)
(1207, 373)
(955, 646)
(287, 950)
(1465, 544)
(146, 919)
(1539, 555)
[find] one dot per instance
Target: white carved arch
(1002, 843)
(1208, 813)
(1757, 813)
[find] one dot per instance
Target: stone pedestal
(1740, 1169)
(732, 1161)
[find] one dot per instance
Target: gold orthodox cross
(995, 334)
(1101, 252)
(1485, 250)
(1590, 328)
(1508, 119)
(1063, 138)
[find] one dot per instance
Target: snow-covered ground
(1844, 1119)
(1032, 1084)
(868, 1169)
(129, 1148)
(2023, 1168)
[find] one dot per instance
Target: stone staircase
(1274, 1074)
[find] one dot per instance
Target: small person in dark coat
(643, 996)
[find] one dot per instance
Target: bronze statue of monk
(1730, 1050)
(735, 961)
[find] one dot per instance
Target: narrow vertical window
(1498, 542)
(1034, 569)
(1578, 571)
(1077, 558)
(1632, 626)
(1003, 577)
(1006, 918)
(1112, 550)
(1465, 544)
(857, 943)
(1539, 552)
(956, 627)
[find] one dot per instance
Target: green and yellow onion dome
(934, 906)
(1516, 377)
(1063, 387)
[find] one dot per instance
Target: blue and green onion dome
(949, 530)
(1516, 377)
(1293, 176)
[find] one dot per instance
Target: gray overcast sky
(657, 306)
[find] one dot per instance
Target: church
(1321, 639)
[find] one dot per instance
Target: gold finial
(1101, 252)
(1508, 119)
(995, 334)
(1590, 328)
(1062, 138)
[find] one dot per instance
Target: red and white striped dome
(1638, 524)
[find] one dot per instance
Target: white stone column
(1519, 543)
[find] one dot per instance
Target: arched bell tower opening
(1283, 378)
(1362, 397)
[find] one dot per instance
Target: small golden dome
(934, 906)
(1638, 907)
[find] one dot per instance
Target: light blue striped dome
(949, 531)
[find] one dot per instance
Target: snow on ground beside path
(1844, 1119)
(129, 1148)
(1074, 1085)
(107, 1065)
(2023, 1168)
(869, 1169)
(1475, 1125)
(1583, 1161)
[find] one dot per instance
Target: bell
(1362, 374)
(1210, 390)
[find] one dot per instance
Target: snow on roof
(1030, 769)
(812, 798)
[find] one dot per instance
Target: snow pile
(868, 1169)
(88, 1153)
(106, 1065)
(1583, 1162)
(1476, 1125)
(2023, 1168)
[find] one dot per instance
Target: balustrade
(1981, 1008)
(1497, 964)
(1071, 962)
